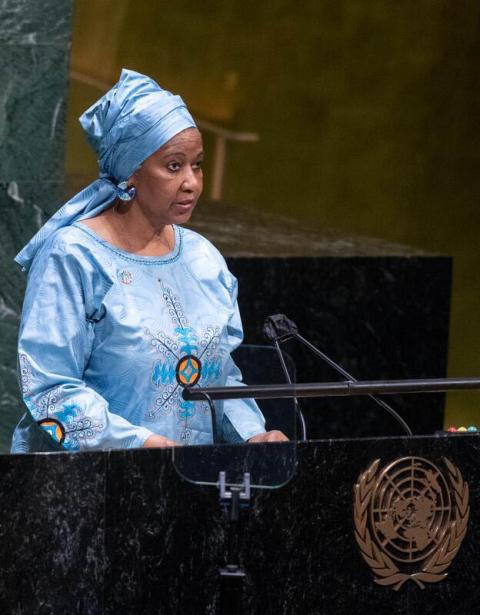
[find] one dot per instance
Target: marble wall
(34, 55)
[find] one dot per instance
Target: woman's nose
(191, 180)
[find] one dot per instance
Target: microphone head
(279, 328)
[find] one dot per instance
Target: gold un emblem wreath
(410, 520)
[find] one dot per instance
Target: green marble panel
(34, 53)
(24, 207)
(32, 112)
(31, 22)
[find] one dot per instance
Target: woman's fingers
(156, 441)
(270, 436)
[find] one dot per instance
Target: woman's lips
(185, 205)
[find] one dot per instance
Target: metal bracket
(226, 489)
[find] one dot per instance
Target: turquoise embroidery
(188, 339)
(68, 424)
(187, 358)
(163, 373)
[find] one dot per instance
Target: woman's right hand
(156, 441)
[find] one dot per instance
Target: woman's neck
(126, 227)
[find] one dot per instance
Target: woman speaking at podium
(124, 307)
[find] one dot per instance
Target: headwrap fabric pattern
(125, 126)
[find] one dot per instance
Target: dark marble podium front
(122, 532)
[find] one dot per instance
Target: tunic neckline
(132, 256)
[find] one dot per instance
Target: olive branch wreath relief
(433, 571)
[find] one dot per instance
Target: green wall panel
(34, 54)
(32, 114)
(36, 22)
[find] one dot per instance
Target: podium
(123, 532)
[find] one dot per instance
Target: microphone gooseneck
(280, 328)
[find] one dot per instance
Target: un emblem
(410, 520)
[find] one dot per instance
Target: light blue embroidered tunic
(108, 339)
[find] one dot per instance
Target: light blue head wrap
(124, 127)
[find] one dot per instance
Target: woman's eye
(173, 166)
(198, 164)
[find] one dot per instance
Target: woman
(123, 307)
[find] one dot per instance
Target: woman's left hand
(270, 436)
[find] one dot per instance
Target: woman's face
(170, 181)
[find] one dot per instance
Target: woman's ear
(135, 175)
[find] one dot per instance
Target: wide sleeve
(243, 415)
(63, 302)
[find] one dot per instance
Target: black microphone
(280, 328)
